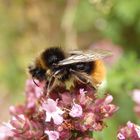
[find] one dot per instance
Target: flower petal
(57, 119)
(76, 111)
(53, 135)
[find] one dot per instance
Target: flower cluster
(129, 132)
(63, 115)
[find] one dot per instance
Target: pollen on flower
(67, 125)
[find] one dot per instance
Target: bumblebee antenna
(35, 82)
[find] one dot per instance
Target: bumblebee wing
(93, 51)
(81, 56)
(75, 52)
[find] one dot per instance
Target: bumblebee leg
(83, 78)
(50, 84)
(51, 81)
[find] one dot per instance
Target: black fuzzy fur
(52, 56)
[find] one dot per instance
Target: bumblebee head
(37, 72)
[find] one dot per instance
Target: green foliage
(124, 76)
(123, 24)
(85, 16)
(127, 11)
(120, 21)
(107, 133)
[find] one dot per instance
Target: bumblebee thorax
(52, 56)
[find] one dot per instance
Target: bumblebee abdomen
(86, 67)
(99, 72)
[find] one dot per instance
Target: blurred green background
(28, 26)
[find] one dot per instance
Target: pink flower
(83, 99)
(53, 111)
(19, 122)
(66, 99)
(116, 50)
(108, 99)
(136, 96)
(76, 111)
(82, 91)
(5, 132)
(130, 131)
(64, 114)
(53, 135)
(33, 92)
(16, 110)
(120, 136)
(23, 127)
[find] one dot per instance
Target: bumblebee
(54, 64)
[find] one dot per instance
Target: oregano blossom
(53, 111)
(60, 115)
